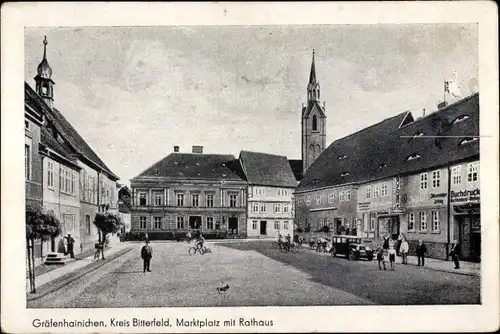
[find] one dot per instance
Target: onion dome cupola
(43, 80)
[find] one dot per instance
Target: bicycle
(285, 248)
(200, 250)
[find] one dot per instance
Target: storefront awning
(467, 209)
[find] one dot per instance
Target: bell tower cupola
(43, 79)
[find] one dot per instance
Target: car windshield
(361, 247)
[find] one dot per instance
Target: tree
(39, 225)
(106, 223)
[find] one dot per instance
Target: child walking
(380, 257)
(392, 256)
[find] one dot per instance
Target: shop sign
(438, 198)
(398, 211)
(465, 196)
(431, 199)
(363, 206)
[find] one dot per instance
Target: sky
(135, 92)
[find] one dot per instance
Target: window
(27, 162)
(472, 171)
(285, 225)
(411, 221)
(180, 222)
(67, 181)
(73, 183)
(26, 125)
(262, 207)
(157, 222)
(210, 200)
(180, 199)
(342, 196)
(376, 191)
(413, 157)
(254, 225)
(315, 123)
(142, 199)
(276, 225)
(372, 223)
(456, 174)
(50, 174)
(279, 192)
(210, 223)
(423, 181)
(232, 200)
(255, 207)
(277, 208)
(348, 195)
(285, 208)
(87, 224)
(369, 192)
(318, 200)
(436, 178)
(423, 221)
(435, 221)
(384, 189)
(331, 198)
(61, 179)
(143, 222)
(158, 199)
(308, 200)
(195, 200)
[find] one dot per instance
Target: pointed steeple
(44, 83)
(312, 75)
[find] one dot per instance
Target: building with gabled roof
(76, 182)
(186, 191)
(270, 194)
(395, 178)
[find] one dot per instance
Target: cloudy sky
(135, 92)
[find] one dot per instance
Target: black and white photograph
(265, 166)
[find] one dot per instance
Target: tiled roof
(296, 166)
(48, 139)
(196, 166)
(267, 169)
(382, 150)
(68, 132)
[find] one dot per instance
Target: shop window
(423, 181)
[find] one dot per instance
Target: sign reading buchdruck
(249, 167)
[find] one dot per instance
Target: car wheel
(352, 256)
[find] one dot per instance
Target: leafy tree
(40, 225)
(106, 223)
(325, 229)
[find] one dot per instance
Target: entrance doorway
(233, 224)
(195, 222)
(470, 237)
(389, 225)
(263, 227)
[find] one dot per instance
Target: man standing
(147, 255)
(421, 251)
(70, 243)
(404, 251)
(454, 253)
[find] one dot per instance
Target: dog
(222, 288)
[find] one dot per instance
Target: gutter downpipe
(449, 215)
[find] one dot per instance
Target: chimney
(176, 149)
(197, 149)
(442, 105)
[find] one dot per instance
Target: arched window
(317, 152)
(315, 123)
(310, 153)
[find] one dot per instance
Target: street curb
(64, 280)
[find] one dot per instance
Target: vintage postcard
(249, 167)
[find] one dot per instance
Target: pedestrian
(386, 242)
(146, 255)
(421, 251)
(398, 245)
(454, 253)
(380, 257)
(392, 256)
(70, 242)
(403, 250)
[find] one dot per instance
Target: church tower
(313, 122)
(44, 83)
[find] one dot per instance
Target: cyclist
(280, 239)
(288, 241)
(200, 241)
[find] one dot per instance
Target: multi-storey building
(416, 177)
(76, 182)
(190, 190)
(271, 182)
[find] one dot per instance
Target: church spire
(313, 93)
(44, 83)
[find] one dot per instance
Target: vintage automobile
(351, 247)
